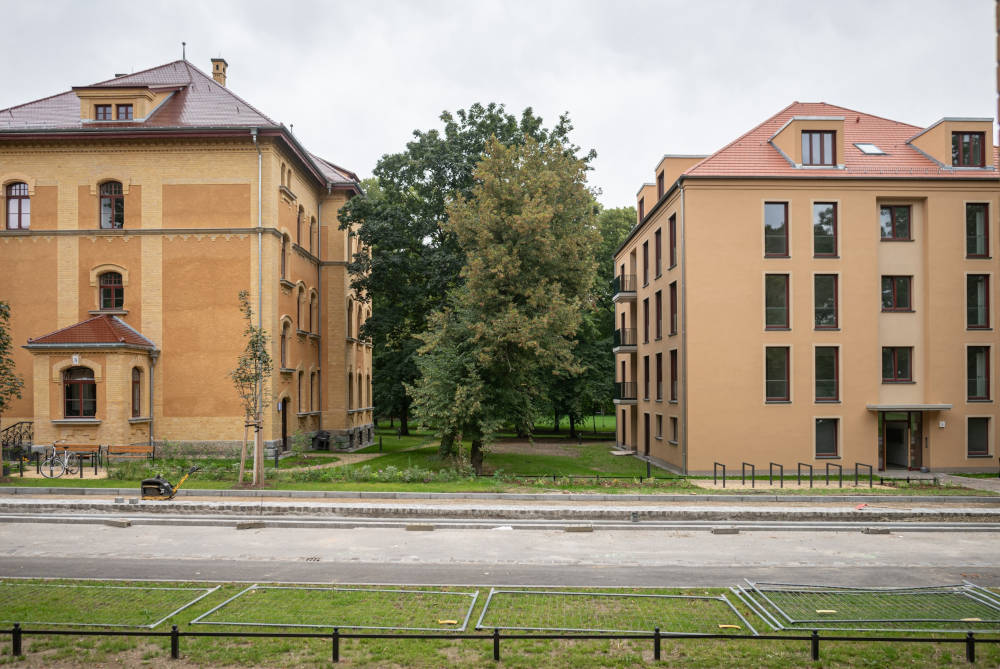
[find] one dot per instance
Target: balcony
(626, 392)
(625, 341)
(623, 288)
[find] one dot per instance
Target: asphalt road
(497, 557)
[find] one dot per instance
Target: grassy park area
(436, 610)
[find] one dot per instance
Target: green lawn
(600, 607)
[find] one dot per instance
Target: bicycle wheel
(52, 467)
(72, 463)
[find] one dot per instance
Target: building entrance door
(284, 424)
(897, 449)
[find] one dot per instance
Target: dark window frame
(284, 256)
(111, 289)
(835, 397)
(645, 320)
(785, 253)
(674, 375)
(660, 186)
(77, 390)
(673, 307)
(672, 224)
(645, 263)
(658, 253)
(128, 110)
(824, 160)
(836, 246)
(136, 392)
(970, 395)
(985, 324)
(102, 113)
(642, 208)
(658, 303)
(112, 199)
(894, 294)
(968, 434)
(836, 303)
(894, 235)
(645, 377)
(787, 396)
(969, 207)
(894, 352)
(836, 439)
(957, 157)
(17, 192)
(659, 375)
(285, 327)
(785, 325)
(674, 429)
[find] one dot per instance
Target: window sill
(108, 312)
(660, 400)
(76, 421)
(673, 442)
(827, 256)
(314, 335)
(286, 283)
(984, 456)
(302, 333)
(303, 414)
(829, 457)
(818, 401)
(891, 239)
(285, 190)
(658, 275)
(775, 255)
(979, 257)
(671, 267)
(777, 401)
(286, 370)
(140, 419)
(979, 400)
(823, 329)
(898, 311)
(672, 402)
(778, 329)
(658, 437)
(901, 382)
(658, 339)
(978, 328)
(672, 334)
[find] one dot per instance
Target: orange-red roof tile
(752, 154)
(103, 329)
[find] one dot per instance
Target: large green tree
(10, 381)
(410, 259)
(528, 233)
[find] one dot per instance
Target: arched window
(312, 308)
(312, 391)
(112, 206)
(368, 389)
(312, 231)
(361, 397)
(136, 392)
(79, 393)
(284, 345)
(298, 227)
(300, 391)
(350, 320)
(112, 292)
(298, 307)
(350, 390)
(284, 256)
(18, 207)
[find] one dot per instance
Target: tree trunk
(476, 456)
(447, 448)
(556, 422)
(258, 453)
(243, 455)
(392, 418)
(404, 426)
(572, 425)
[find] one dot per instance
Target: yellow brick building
(135, 210)
(821, 290)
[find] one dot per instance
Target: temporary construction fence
(959, 608)
(612, 613)
(344, 608)
(78, 605)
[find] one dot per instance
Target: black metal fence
(969, 641)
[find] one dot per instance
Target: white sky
(639, 79)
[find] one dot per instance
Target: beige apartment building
(823, 289)
(135, 210)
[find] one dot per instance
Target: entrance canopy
(908, 407)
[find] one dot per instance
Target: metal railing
(623, 283)
(781, 474)
(626, 390)
(175, 635)
(743, 474)
(798, 473)
(840, 474)
(625, 337)
(15, 437)
(715, 469)
(857, 466)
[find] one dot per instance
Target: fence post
(15, 641)
(656, 644)
(496, 644)
(649, 474)
(814, 643)
(175, 643)
(335, 644)
(970, 648)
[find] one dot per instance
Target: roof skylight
(869, 149)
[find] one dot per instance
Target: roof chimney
(219, 70)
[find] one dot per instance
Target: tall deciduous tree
(412, 259)
(253, 370)
(528, 234)
(10, 381)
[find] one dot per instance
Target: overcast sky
(639, 79)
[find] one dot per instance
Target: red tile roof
(752, 155)
(102, 329)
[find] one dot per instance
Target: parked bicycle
(58, 463)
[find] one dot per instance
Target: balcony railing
(624, 283)
(625, 337)
(626, 390)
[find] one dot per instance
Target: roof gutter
(91, 346)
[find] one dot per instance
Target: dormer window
(968, 149)
(102, 112)
(124, 112)
(817, 147)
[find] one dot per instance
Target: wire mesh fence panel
(538, 610)
(950, 608)
(346, 608)
(31, 603)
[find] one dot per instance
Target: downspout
(260, 264)
(153, 357)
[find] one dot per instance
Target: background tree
(412, 259)
(253, 370)
(528, 234)
(10, 381)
